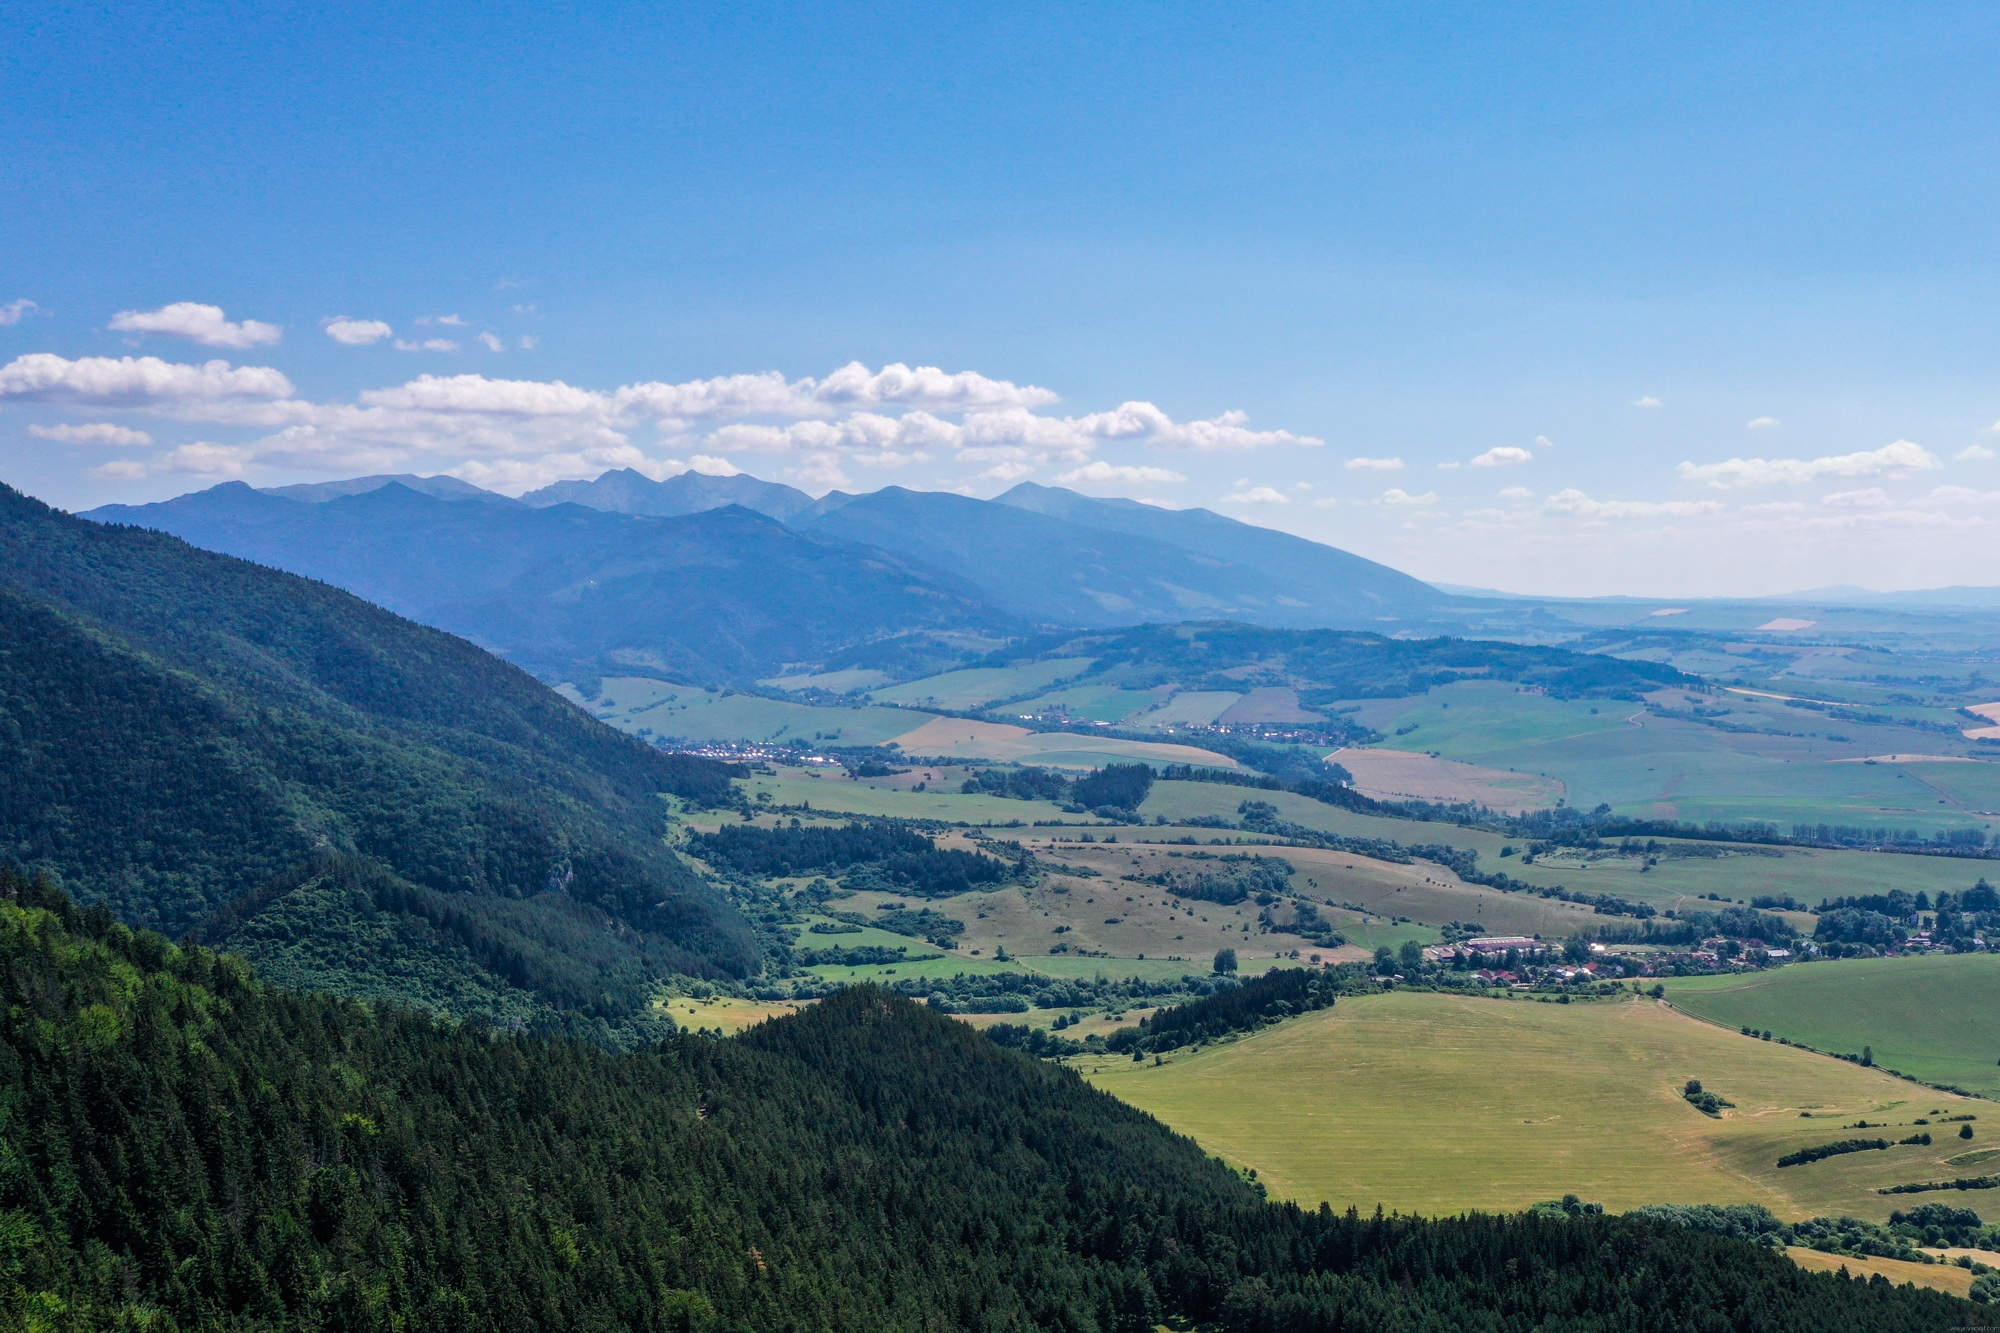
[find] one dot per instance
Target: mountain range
(713, 579)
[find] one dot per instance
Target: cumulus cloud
(356, 332)
(1145, 422)
(1374, 465)
(1647, 401)
(1517, 493)
(1544, 442)
(529, 432)
(96, 432)
(1258, 495)
(16, 311)
(1577, 504)
(453, 320)
(513, 476)
(119, 469)
(1963, 495)
(1972, 453)
(200, 323)
(492, 343)
(1102, 471)
(713, 467)
(1397, 498)
(1503, 456)
(203, 458)
(854, 385)
(43, 376)
(427, 345)
(1737, 472)
(1874, 497)
(1760, 423)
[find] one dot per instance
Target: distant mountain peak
(630, 491)
(440, 487)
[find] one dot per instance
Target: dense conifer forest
(208, 745)
(183, 1146)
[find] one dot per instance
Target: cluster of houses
(1522, 960)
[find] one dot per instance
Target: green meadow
(1093, 703)
(1936, 1018)
(1441, 1104)
(959, 691)
(659, 708)
(1650, 766)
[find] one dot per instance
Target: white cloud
(1517, 493)
(427, 345)
(1374, 465)
(528, 342)
(1103, 471)
(1972, 453)
(1763, 471)
(201, 323)
(96, 432)
(1647, 401)
(854, 385)
(1774, 507)
(214, 460)
(1143, 421)
(356, 332)
(1874, 497)
(1397, 498)
(1544, 442)
(492, 343)
(1576, 503)
(120, 469)
(1963, 495)
(821, 471)
(1258, 495)
(16, 311)
(714, 467)
(453, 320)
(513, 476)
(1503, 456)
(41, 376)
(1760, 423)
(550, 430)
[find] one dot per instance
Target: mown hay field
(1439, 1104)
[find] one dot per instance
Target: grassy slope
(1439, 1104)
(636, 704)
(1937, 1018)
(972, 688)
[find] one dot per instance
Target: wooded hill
(185, 1147)
(354, 800)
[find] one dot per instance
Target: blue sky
(1587, 245)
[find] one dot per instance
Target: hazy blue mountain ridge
(573, 592)
(628, 491)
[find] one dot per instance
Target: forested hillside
(209, 745)
(186, 1147)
